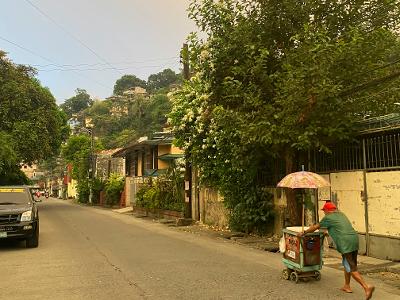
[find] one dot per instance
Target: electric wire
(107, 69)
(25, 49)
(49, 60)
(102, 64)
(72, 36)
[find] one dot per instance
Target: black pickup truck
(19, 217)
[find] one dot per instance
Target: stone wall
(212, 209)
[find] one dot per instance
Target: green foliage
(253, 213)
(159, 195)
(276, 77)
(77, 103)
(163, 193)
(113, 188)
(29, 113)
(126, 82)
(77, 151)
(12, 175)
(122, 119)
(163, 79)
(83, 189)
(8, 157)
(97, 186)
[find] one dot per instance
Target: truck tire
(33, 241)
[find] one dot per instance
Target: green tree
(29, 114)
(163, 79)
(8, 157)
(275, 78)
(126, 82)
(77, 103)
(9, 164)
(78, 152)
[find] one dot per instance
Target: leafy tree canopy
(163, 79)
(33, 127)
(8, 157)
(122, 119)
(77, 103)
(126, 82)
(79, 153)
(278, 76)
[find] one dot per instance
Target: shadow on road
(6, 245)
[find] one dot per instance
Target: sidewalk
(385, 270)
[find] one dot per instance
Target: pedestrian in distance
(346, 241)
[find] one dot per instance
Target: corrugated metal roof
(158, 138)
(381, 123)
(170, 156)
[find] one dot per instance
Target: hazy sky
(89, 44)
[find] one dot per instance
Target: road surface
(93, 253)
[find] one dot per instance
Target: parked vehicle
(19, 216)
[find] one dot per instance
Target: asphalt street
(93, 253)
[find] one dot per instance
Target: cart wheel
(317, 276)
(286, 274)
(294, 277)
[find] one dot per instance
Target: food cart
(302, 255)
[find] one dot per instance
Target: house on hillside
(147, 158)
(137, 90)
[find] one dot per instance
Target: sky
(90, 44)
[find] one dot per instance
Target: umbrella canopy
(303, 179)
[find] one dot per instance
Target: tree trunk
(293, 209)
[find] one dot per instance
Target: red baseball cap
(329, 206)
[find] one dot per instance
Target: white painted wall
(384, 202)
(347, 188)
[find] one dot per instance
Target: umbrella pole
(302, 216)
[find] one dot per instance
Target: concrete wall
(383, 193)
(71, 191)
(384, 247)
(346, 192)
(132, 185)
(212, 209)
(129, 191)
(384, 203)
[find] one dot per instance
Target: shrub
(113, 188)
(83, 190)
(165, 193)
(254, 213)
(97, 187)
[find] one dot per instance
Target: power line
(25, 49)
(64, 68)
(70, 34)
(49, 60)
(101, 69)
(102, 64)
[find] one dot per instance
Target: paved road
(92, 253)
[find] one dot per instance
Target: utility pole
(188, 167)
(92, 165)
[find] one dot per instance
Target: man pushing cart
(302, 253)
